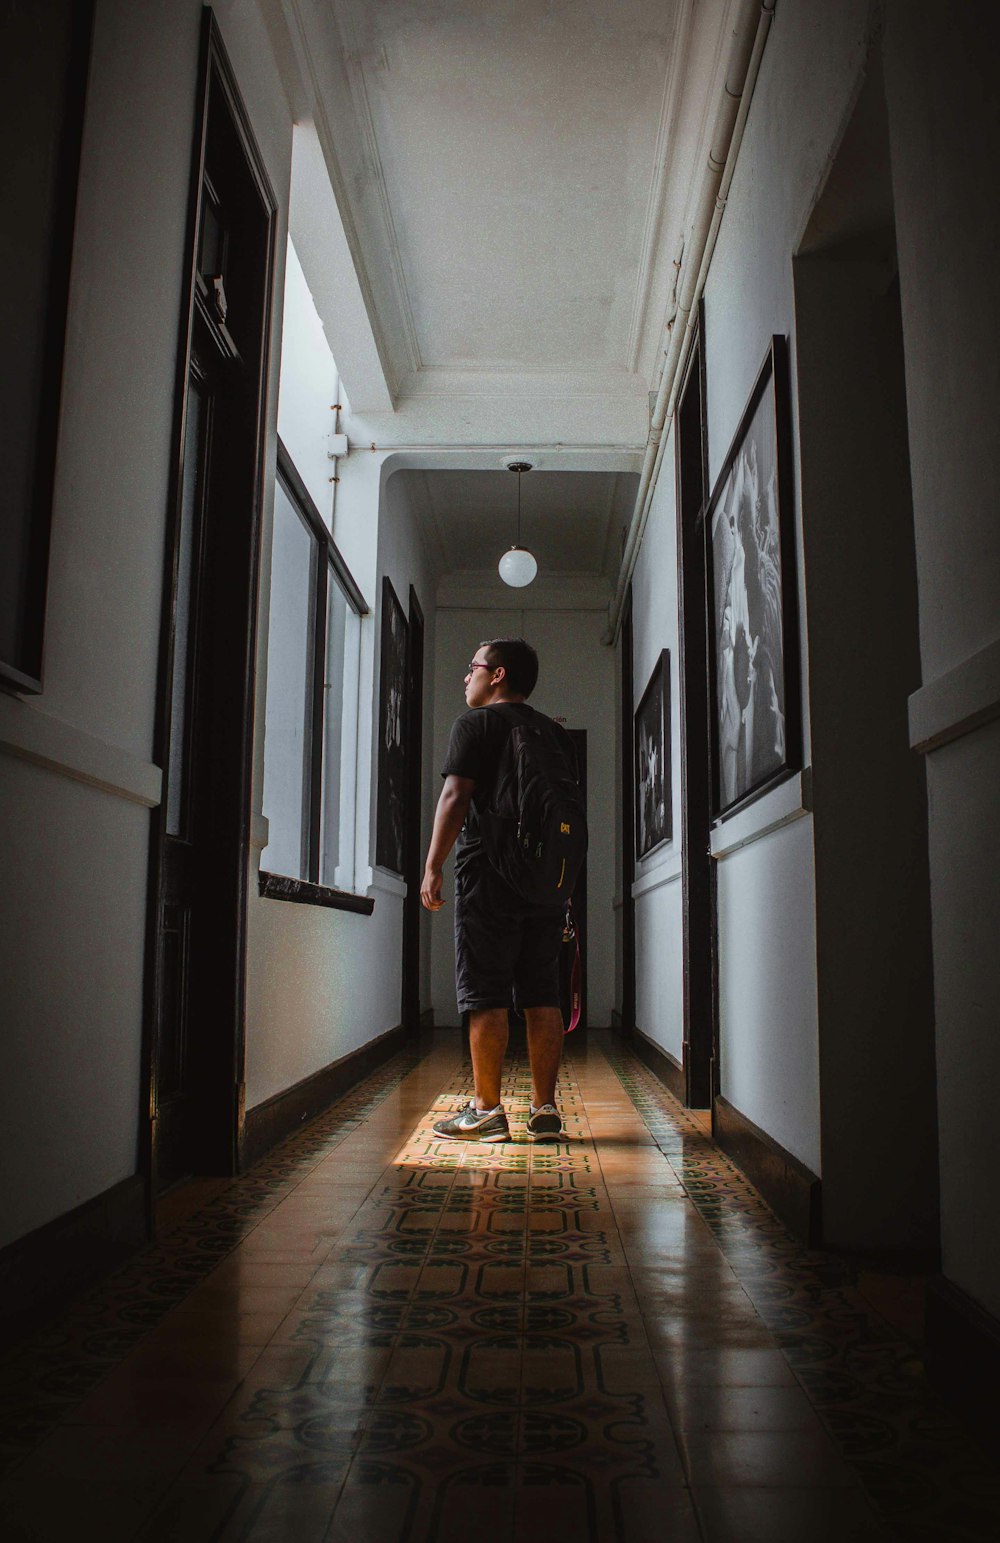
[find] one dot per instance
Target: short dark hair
(518, 659)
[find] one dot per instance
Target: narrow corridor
(377, 1337)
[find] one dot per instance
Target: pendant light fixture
(517, 567)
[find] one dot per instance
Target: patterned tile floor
(378, 1337)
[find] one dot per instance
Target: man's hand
(448, 817)
(431, 897)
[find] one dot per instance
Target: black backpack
(535, 829)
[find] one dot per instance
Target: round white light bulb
(517, 567)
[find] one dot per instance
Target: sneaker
(474, 1125)
(545, 1124)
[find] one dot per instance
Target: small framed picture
(390, 818)
(753, 633)
(653, 780)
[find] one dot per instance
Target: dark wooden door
(579, 738)
(201, 849)
(628, 818)
(698, 873)
(413, 845)
(179, 839)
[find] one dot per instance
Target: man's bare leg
(488, 1034)
(545, 1046)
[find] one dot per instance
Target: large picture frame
(755, 717)
(651, 762)
(390, 816)
(41, 131)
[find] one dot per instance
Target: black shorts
(502, 944)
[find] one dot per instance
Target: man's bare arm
(449, 817)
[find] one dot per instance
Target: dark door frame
(410, 1009)
(628, 817)
(579, 738)
(699, 953)
(231, 558)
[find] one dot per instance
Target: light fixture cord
(519, 508)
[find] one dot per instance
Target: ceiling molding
(388, 135)
(500, 380)
(310, 45)
(706, 59)
(298, 49)
(526, 419)
(673, 88)
(347, 20)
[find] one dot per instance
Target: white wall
(768, 1047)
(74, 803)
(322, 982)
(72, 942)
(308, 389)
(576, 685)
(945, 141)
(659, 1011)
(766, 892)
(71, 960)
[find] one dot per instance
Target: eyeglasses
(477, 665)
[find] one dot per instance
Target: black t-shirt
(478, 737)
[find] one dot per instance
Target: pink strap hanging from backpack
(571, 934)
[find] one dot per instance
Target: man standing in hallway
(501, 942)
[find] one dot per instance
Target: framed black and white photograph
(653, 823)
(390, 816)
(753, 633)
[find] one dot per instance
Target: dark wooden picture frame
(390, 814)
(653, 774)
(755, 721)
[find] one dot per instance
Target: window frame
(329, 563)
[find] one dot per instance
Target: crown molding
(346, 14)
(670, 107)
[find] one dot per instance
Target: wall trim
(660, 1062)
(45, 1269)
(35, 736)
(962, 1351)
(278, 886)
(958, 702)
(787, 802)
(792, 1190)
(388, 883)
(274, 1119)
(667, 872)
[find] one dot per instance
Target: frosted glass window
(290, 674)
(311, 715)
(340, 746)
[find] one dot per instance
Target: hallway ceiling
(571, 521)
(513, 180)
(518, 172)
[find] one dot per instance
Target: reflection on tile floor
(377, 1336)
